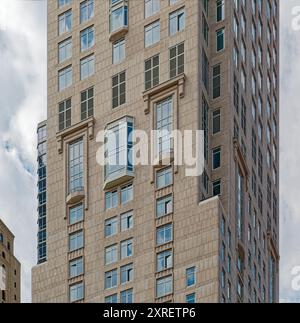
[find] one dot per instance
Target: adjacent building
(9, 268)
(131, 233)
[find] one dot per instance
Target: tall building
(9, 268)
(133, 233)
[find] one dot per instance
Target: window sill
(120, 179)
(119, 33)
(75, 197)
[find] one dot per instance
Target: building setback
(149, 233)
(10, 288)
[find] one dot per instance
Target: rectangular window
(216, 158)
(190, 276)
(87, 38)
(164, 206)
(86, 10)
(191, 298)
(126, 194)
(118, 51)
(87, 67)
(111, 254)
(118, 18)
(220, 37)
(176, 57)
(220, 10)
(126, 274)
(64, 50)
(126, 297)
(76, 292)
(112, 299)
(118, 89)
(126, 221)
(176, 21)
(76, 214)
(151, 72)
(111, 279)
(216, 121)
(76, 268)
(64, 114)
(65, 22)
(152, 33)
(126, 248)
(76, 241)
(164, 234)
(76, 166)
(111, 227)
(151, 7)
(216, 81)
(164, 178)
(164, 286)
(111, 200)
(217, 188)
(62, 3)
(87, 103)
(65, 78)
(164, 260)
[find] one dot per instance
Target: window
(152, 33)
(64, 114)
(118, 150)
(191, 298)
(151, 72)
(164, 206)
(86, 10)
(118, 18)
(126, 248)
(118, 51)
(76, 214)
(111, 279)
(76, 292)
(176, 56)
(164, 286)
(216, 81)
(87, 103)
(111, 227)
(64, 50)
(176, 21)
(216, 121)
(65, 78)
(220, 34)
(118, 89)
(65, 22)
(112, 299)
(216, 158)
(164, 125)
(76, 241)
(164, 260)
(87, 67)
(220, 10)
(76, 267)
(151, 7)
(126, 221)
(111, 254)
(190, 276)
(164, 178)
(62, 3)
(76, 166)
(126, 274)
(164, 234)
(126, 194)
(111, 200)
(87, 38)
(217, 188)
(127, 296)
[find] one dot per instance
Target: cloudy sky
(23, 105)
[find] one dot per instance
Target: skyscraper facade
(9, 268)
(133, 233)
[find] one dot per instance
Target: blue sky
(23, 104)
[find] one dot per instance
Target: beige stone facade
(10, 287)
(224, 243)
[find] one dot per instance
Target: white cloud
(22, 106)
